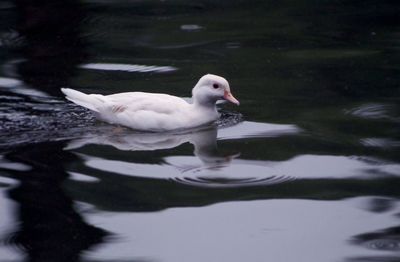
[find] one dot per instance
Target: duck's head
(211, 88)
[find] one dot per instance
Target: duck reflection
(203, 140)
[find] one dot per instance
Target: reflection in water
(204, 143)
(374, 111)
(387, 239)
(138, 163)
(380, 142)
(18, 87)
(52, 42)
(379, 204)
(129, 68)
(383, 240)
(48, 220)
(297, 69)
(51, 48)
(129, 140)
(49, 227)
(208, 167)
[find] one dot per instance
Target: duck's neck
(207, 110)
(202, 101)
(206, 104)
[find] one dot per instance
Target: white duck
(158, 112)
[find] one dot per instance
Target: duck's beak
(229, 97)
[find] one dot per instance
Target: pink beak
(229, 97)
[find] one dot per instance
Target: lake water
(307, 168)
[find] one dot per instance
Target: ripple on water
(34, 122)
(380, 142)
(374, 111)
(383, 244)
(229, 118)
(129, 67)
(224, 182)
(12, 240)
(11, 165)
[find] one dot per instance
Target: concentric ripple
(384, 244)
(224, 182)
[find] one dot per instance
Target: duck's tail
(92, 102)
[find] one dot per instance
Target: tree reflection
(53, 44)
(50, 229)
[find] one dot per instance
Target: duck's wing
(135, 101)
(145, 111)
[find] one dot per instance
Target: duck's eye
(215, 86)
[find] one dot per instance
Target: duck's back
(161, 103)
(146, 111)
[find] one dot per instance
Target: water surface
(306, 169)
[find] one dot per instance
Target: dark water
(306, 169)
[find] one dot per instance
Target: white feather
(92, 102)
(156, 112)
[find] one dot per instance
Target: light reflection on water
(374, 111)
(8, 225)
(215, 231)
(129, 68)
